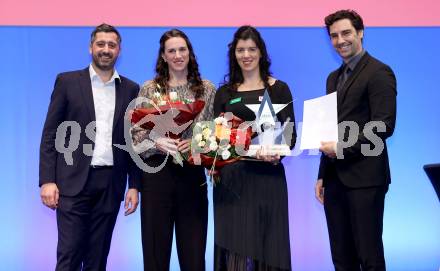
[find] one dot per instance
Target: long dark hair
(235, 75)
(162, 72)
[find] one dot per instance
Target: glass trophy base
(276, 149)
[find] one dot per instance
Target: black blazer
(72, 100)
(369, 94)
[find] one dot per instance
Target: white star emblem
(265, 112)
(265, 115)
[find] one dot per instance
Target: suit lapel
(119, 97)
(87, 93)
(357, 70)
(332, 83)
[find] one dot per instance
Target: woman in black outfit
(250, 201)
(174, 197)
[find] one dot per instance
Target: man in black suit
(354, 173)
(82, 174)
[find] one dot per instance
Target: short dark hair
(235, 75)
(353, 16)
(107, 29)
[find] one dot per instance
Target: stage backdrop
(301, 56)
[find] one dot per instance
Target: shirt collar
(94, 75)
(352, 62)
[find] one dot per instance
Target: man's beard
(104, 66)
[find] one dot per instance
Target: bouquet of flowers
(176, 113)
(167, 115)
(219, 145)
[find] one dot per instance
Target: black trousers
(174, 197)
(355, 223)
(85, 224)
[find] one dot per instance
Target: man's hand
(50, 195)
(131, 201)
(328, 148)
(319, 191)
(184, 145)
(167, 145)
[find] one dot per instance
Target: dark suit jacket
(369, 94)
(72, 100)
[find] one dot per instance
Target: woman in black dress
(174, 197)
(250, 201)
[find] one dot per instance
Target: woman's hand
(271, 158)
(167, 145)
(184, 145)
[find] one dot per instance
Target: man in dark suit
(354, 176)
(82, 174)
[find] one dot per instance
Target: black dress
(250, 202)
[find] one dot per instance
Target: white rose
(198, 137)
(173, 95)
(219, 120)
(213, 146)
(224, 147)
(225, 154)
(201, 144)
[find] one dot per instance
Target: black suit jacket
(369, 94)
(72, 100)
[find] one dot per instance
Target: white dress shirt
(104, 101)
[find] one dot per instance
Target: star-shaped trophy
(270, 139)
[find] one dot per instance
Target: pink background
(213, 13)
